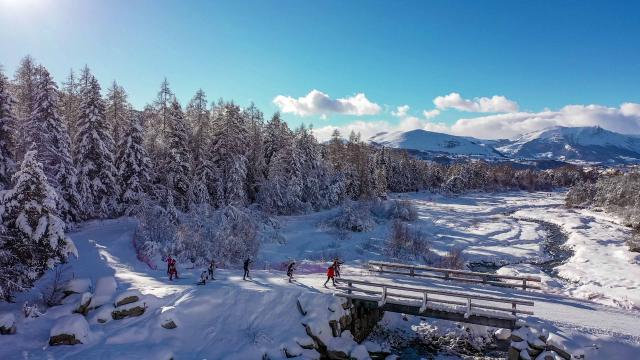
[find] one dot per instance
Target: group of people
(333, 271)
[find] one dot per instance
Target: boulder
(102, 315)
(7, 324)
(69, 330)
(129, 310)
(502, 334)
(76, 286)
(548, 355)
(128, 297)
(306, 342)
(82, 306)
(169, 324)
(524, 355)
(105, 288)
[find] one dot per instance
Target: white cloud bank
(623, 119)
(496, 103)
(318, 103)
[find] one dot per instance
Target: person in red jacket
(172, 270)
(330, 275)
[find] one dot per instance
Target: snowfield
(592, 304)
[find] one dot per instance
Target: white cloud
(430, 114)
(624, 119)
(401, 111)
(496, 103)
(319, 103)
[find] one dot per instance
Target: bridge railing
(432, 298)
(523, 282)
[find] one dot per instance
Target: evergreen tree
(70, 105)
(175, 167)
(118, 113)
(199, 121)
(229, 148)
(49, 135)
(34, 233)
(276, 134)
(282, 191)
(134, 168)
(256, 166)
(25, 95)
(96, 170)
(314, 171)
(7, 124)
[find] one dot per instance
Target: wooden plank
(436, 300)
(478, 281)
(440, 292)
(460, 272)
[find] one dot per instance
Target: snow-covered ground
(594, 304)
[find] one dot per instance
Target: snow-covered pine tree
(308, 150)
(25, 95)
(50, 137)
(96, 170)
(156, 122)
(199, 120)
(134, 168)
(7, 123)
(276, 135)
(256, 166)
(229, 149)
(282, 191)
(118, 113)
(70, 105)
(34, 231)
(175, 167)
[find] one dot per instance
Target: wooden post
(524, 284)
(411, 272)
(469, 306)
(350, 284)
(513, 307)
(423, 308)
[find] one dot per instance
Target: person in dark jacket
(336, 266)
(290, 270)
(211, 269)
(246, 275)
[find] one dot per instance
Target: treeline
(86, 154)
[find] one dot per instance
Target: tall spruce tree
(118, 113)
(25, 95)
(95, 160)
(256, 166)
(50, 137)
(7, 124)
(229, 149)
(70, 105)
(34, 233)
(175, 167)
(134, 168)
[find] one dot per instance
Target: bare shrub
(581, 195)
(406, 242)
(634, 242)
(453, 259)
(53, 292)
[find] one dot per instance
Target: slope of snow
(429, 141)
(574, 143)
(234, 319)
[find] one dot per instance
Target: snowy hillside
(433, 142)
(593, 144)
(591, 303)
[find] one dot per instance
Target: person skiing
(172, 270)
(336, 266)
(247, 262)
(290, 270)
(211, 269)
(330, 275)
(203, 278)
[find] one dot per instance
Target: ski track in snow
(231, 318)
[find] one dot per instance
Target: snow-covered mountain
(591, 144)
(433, 142)
(573, 144)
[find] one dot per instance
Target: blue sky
(541, 55)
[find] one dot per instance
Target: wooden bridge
(523, 282)
(466, 307)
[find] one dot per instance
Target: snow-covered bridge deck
(441, 304)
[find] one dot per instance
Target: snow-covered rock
(102, 314)
(128, 297)
(7, 323)
(502, 334)
(82, 305)
(69, 330)
(77, 286)
(128, 310)
(105, 288)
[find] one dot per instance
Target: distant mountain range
(570, 144)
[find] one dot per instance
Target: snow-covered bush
(581, 195)
(354, 216)
(402, 210)
(406, 242)
(453, 259)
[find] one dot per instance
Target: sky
(490, 69)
